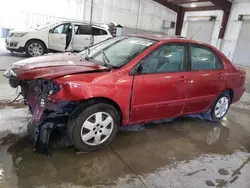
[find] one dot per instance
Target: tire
(214, 112)
(76, 127)
(35, 48)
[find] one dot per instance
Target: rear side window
(167, 58)
(203, 58)
(97, 31)
(83, 30)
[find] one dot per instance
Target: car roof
(82, 22)
(166, 38)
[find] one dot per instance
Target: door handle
(183, 79)
(220, 76)
(86, 38)
(62, 38)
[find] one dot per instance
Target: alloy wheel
(221, 107)
(35, 49)
(97, 128)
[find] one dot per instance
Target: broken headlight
(14, 82)
(8, 73)
(48, 86)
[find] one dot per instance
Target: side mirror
(138, 69)
(51, 31)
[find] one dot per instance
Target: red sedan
(122, 81)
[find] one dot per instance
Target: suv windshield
(117, 51)
(45, 26)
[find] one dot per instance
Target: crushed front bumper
(41, 131)
(48, 118)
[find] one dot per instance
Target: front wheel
(94, 128)
(221, 106)
(35, 48)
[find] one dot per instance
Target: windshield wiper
(105, 60)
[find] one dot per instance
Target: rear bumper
(238, 94)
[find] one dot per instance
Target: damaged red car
(123, 81)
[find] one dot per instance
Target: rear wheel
(35, 48)
(95, 127)
(221, 106)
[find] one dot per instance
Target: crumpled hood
(51, 66)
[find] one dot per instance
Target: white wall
(29, 13)
(125, 12)
(26, 13)
(217, 26)
(233, 28)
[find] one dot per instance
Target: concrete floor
(169, 154)
(7, 58)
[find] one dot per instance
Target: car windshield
(117, 51)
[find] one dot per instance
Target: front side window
(167, 58)
(203, 58)
(62, 29)
(117, 51)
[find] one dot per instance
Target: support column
(179, 21)
(224, 24)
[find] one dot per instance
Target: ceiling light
(193, 5)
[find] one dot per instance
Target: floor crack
(235, 174)
(128, 167)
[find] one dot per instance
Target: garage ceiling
(182, 6)
(200, 5)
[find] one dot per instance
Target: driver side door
(57, 37)
(158, 88)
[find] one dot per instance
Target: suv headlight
(18, 34)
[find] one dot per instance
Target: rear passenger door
(99, 35)
(82, 37)
(158, 90)
(205, 79)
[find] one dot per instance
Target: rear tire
(221, 106)
(94, 128)
(35, 48)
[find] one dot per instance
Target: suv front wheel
(35, 48)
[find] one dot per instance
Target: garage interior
(183, 153)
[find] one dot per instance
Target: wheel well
(92, 101)
(231, 93)
(36, 40)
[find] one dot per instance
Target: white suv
(57, 37)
